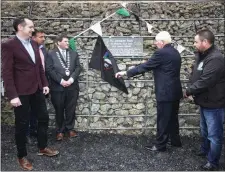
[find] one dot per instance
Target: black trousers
(64, 103)
(167, 124)
(32, 127)
(35, 101)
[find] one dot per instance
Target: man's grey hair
(163, 36)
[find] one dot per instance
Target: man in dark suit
(63, 68)
(26, 85)
(166, 64)
(39, 37)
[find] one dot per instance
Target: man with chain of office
(63, 68)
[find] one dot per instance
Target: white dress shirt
(27, 45)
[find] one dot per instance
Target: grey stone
(136, 91)
(122, 66)
(105, 87)
(134, 112)
(105, 107)
(99, 95)
(124, 30)
(122, 112)
(85, 111)
(140, 106)
(113, 100)
(95, 108)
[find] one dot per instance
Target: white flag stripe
(149, 26)
(97, 28)
(180, 48)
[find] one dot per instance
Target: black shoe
(209, 167)
(154, 148)
(28, 140)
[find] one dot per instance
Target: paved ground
(94, 152)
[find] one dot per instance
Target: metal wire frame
(119, 116)
(154, 1)
(102, 82)
(88, 81)
(91, 36)
(130, 116)
(138, 57)
(135, 128)
(93, 19)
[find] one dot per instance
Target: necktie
(42, 58)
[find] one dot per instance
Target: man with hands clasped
(63, 68)
(166, 64)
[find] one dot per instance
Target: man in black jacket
(166, 64)
(208, 90)
(63, 68)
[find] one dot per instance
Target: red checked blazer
(20, 74)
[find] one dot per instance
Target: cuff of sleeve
(61, 81)
(71, 80)
(129, 74)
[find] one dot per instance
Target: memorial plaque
(125, 46)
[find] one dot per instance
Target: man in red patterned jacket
(26, 85)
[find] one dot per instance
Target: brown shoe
(72, 133)
(59, 136)
(48, 152)
(25, 164)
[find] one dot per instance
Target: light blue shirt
(27, 45)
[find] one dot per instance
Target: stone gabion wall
(102, 108)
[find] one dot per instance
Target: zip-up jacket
(208, 79)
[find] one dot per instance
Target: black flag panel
(103, 61)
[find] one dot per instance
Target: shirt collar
(24, 41)
(41, 46)
(167, 45)
(61, 50)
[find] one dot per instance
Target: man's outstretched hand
(120, 74)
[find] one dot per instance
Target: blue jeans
(211, 124)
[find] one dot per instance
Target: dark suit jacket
(56, 72)
(21, 75)
(166, 64)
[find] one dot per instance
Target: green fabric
(72, 44)
(123, 12)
